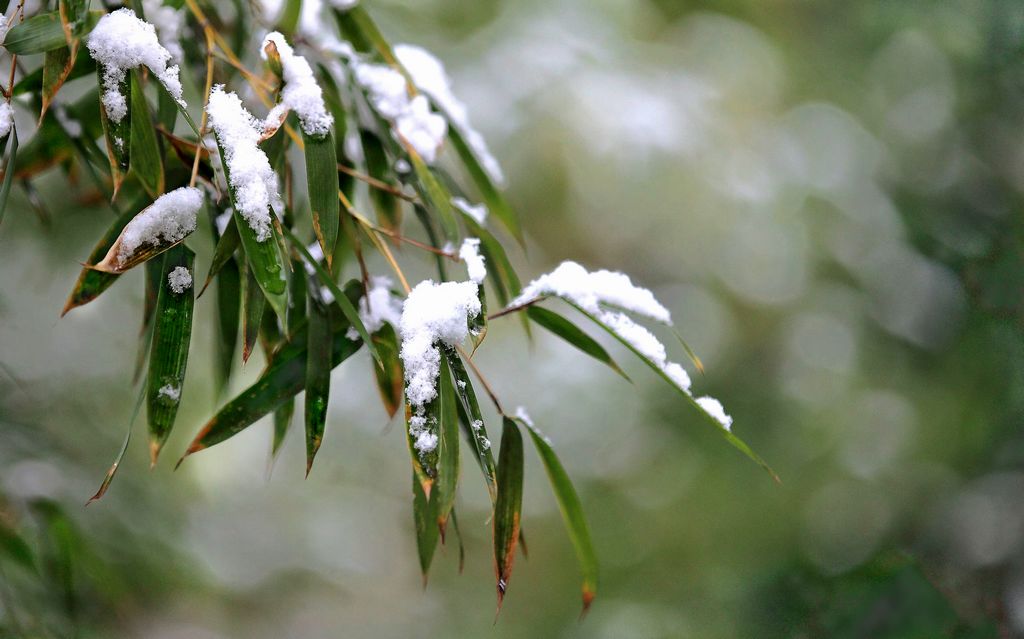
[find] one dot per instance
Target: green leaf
(225, 249)
(318, 376)
(153, 277)
(14, 547)
(10, 159)
(33, 82)
(92, 282)
(499, 269)
(434, 195)
(572, 512)
(117, 134)
(447, 480)
(290, 17)
(43, 32)
(253, 303)
(168, 358)
(390, 381)
(509, 505)
(283, 417)
(115, 262)
(346, 304)
(386, 205)
(572, 334)
(736, 442)
(146, 158)
(496, 203)
(57, 66)
(283, 378)
(229, 302)
(360, 26)
(424, 512)
(109, 477)
(473, 422)
(264, 258)
(322, 185)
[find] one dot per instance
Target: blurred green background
(826, 195)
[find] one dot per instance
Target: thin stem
(483, 380)
(508, 310)
(375, 238)
(377, 184)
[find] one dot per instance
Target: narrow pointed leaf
(117, 134)
(264, 258)
(112, 471)
(434, 195)
(227, 244)
(497, 205)
(146, 158)
(425, 518)
(322, 185)
(386, 206)
(736, 442)
(118, 260)
(318, 376)
(253, 305)
(43, 32)
(57, 66)
(14, 547)
(389, 376)
(283, 417)
(283, 378)
(572, 334)
(229, 302)
(447, 482)
(572, 513)
(509, 505)
(153, 277)
(172, 332)
(9, 164)
(473, 422)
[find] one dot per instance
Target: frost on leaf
(120, 42)
(156, 228)
(469, 253)
(6, 119)
(179, 280)
(300, 93)
(252, 181)
(411, 118)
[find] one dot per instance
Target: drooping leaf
(229, 302)
(447, 481)
(224, 250)
(500, 273)
(33, 82)
(109, 477)
(508, 506)
(172, 333)
(57, 66)
(389, 376)
(736, 442)
(92, 282)
(318, 375)
(264, 258)
(289, 19)
(473, 422)
(118, 260)
(14, 547)
(283, 378)
(496, 203)
(572, 513)
(424, 512)
(385, 205)
(283, 417)
(434, 195)
(153, 280)
(117, 134)
(43, 32)
(322, 185)
(10, 159)
(146, 157)
(572, 334)
(253, 304)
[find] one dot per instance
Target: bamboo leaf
(14, 547)
(343, 301)
(10, 159)
(386, 205)
(573, 335)
(572, 512)
(499, 269)
(318, 376)
(225, 249)
(57, 66)
(424, 512)
(473, 422)
(736, 442)
(253, 304)
(229, 302)
(109, 477)
(283, 417)
(92, 282)
(322, 185)
(496, 202)
(117, 260)
(434, 195)
(283, 378)
(43, 32)
(146, 158)
(447, 481)
(168, 358)
(390, 382)
(509, 505)
(117, 134)
(32, 83)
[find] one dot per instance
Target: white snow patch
(377, 307)
(169, 23)
(476, 211)
(170, 391)
(523, 416)
(301, 92)
(433, 314)
(344, 5)
(469, 253)
(714, 408)
(121, 41)
(179, 280)
(411, 118)
(429, 75)
(251, 179)
(6, 118)
(167, 220)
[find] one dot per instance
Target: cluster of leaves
(275, 293)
